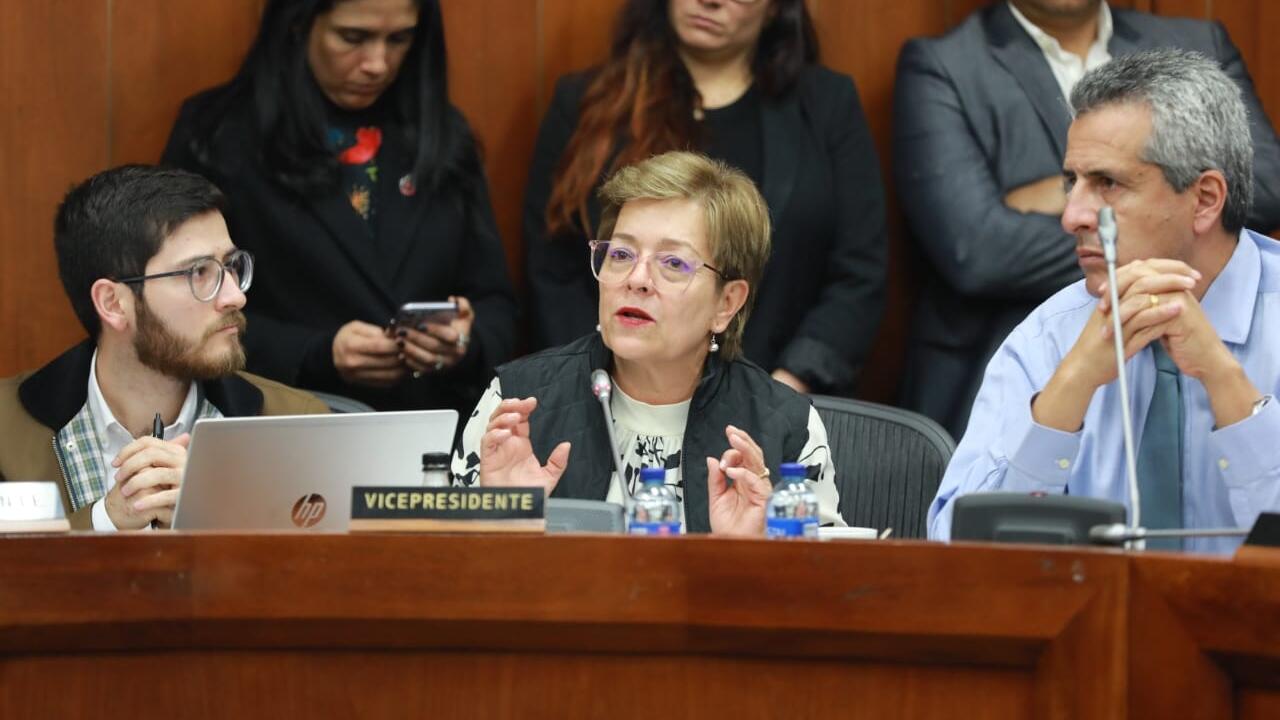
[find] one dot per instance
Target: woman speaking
(683, 241)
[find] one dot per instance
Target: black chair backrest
(889, 463)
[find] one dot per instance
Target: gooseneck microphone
(1118, 533)
(1107, 232)
(602, 388)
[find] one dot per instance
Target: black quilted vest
(735, 393)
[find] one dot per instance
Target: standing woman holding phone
(358, 187)
(738, 80)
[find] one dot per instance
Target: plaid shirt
(79, 451)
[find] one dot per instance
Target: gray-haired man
(980, 127)
(1163, 139)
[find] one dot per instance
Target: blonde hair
(737, 219)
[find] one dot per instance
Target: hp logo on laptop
(309, 510)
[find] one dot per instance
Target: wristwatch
(1259, 404)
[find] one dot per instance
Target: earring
(715, 346)
(597, 327)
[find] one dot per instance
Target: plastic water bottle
(793, 506)
(435, 469)
(654, 510)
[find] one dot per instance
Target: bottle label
(791, 527)
(654, 528)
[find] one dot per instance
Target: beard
(161, 350)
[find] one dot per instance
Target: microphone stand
(1118, 533)
(1107, 232)
(602, 388)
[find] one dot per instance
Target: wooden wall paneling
(53, 132)
(1252, 25)
(957, 10)
(574, 35)
(163, 52)
(1257, 705)
(105, 90)
(1264, 66)
(1178, 8)
(492, 47)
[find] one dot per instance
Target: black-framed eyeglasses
(204, 275)
(612, 262)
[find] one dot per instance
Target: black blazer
(318, 265)
(977, 113)
(822, 295)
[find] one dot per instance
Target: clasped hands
(507, 460)
(148, 473)
(366, 354)
(1157, 303)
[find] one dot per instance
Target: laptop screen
(296, 472)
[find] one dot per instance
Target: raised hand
(738, 509)
(506, 455)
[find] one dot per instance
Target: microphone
(1119, 533)
(602, 388)
(1107, 232)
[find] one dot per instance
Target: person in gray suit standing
(980, 126)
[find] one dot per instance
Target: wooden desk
(197, 626)
(1206, 636)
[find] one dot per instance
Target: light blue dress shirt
(1230, 474)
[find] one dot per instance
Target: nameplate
(451, 509)
(31, 507)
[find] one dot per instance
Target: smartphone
(414, 314)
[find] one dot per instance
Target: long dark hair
(291, 109)
(644, 97)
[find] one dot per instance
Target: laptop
(296, 472)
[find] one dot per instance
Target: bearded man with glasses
(684, 241)
(146, 260)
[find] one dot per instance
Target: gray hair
(1198, 119)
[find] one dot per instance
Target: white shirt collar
(1050, 44)
(114, 435)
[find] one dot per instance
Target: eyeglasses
(204, 276)
(612, 262)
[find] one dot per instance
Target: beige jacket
(34, 406)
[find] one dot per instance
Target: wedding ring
(463, 339)
(1155, 300)
(439, 364)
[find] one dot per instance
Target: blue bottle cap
(653, 475)
(792, 470)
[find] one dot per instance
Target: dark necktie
(1160, 452)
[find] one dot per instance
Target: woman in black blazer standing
(358, 187)
(739, 81)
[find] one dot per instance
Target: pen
(157, 431)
